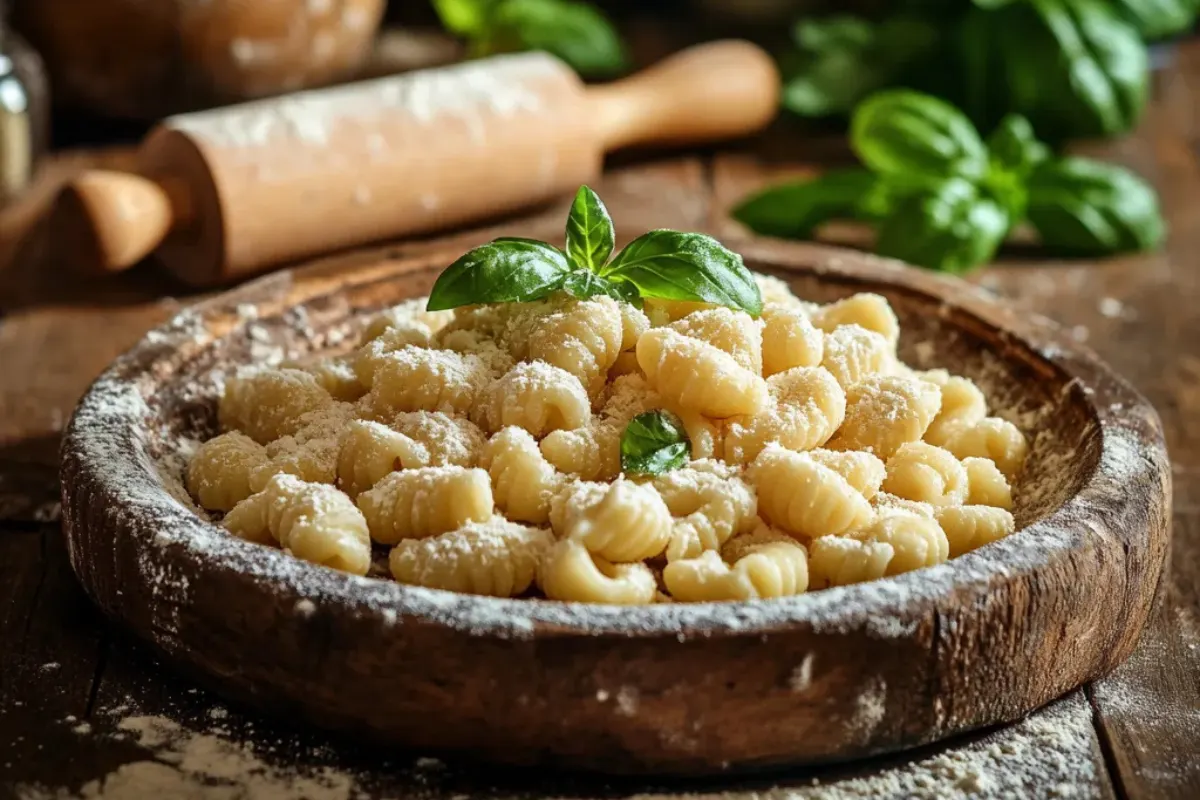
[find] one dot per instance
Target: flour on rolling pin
(234, 191)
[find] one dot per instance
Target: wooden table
(79, 702)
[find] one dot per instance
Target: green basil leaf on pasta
(671, 265)
(583, 284)
(507, 270)
(590, 234)
(654, 443)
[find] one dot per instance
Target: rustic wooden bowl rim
(880, 605)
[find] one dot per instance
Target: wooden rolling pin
(223, 194)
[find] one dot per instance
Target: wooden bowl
(669, 689)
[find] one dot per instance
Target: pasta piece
(806, 408)
(708, 508)
(733, 332)
(419, 503)
(963, 404)
(367, 359)
(853, 354)
(312, 521)
(866, 310)
(633, 324)
(885, 504)
(697, 376)
(662, 312)
(927, 474)
(495, 558)
(584, 339)
(268, 403)
(789, 339)
(569, 572)
(774, 569)
(992, 438)
(969, 527)
(592, 453)
(335, 375)
(986, 484)
(761, 534)
(884, 412)
(446, 440)
(917, 541)
(626, 364)
(839, 561)
(535, 396)
(523, 481)
(775, 292)
(218, 476)
(409, 314)
(311, 453)
(416, 379)
(620, 521)
(369, 452)
(861, 470)
(800, 496)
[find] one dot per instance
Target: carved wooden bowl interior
(670, 689)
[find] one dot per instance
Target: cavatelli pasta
(789, 339)
(708, 508)
(992, 438)
(218, 475)
(535, 396)
(916, 541)
(963, 404)
(584, 339)
(884, 412)
(446, 440)
(312, 521)
(852, 354)
(861, 470)
(771, 569)
(620, 521)
(569, 572)
(841, 561)
(418, 503)
(804, 498)
(420, 379)
(919, 471)
(733, 332)
(523, 481)
(986, 484)
(866, 310)
(698, 376)
(969, 527)
(806, 406)
(369, 452)
(268, 403)
(494, 557)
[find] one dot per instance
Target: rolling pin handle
(109, 221)
(719, 90)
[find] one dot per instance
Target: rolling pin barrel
(227, 193)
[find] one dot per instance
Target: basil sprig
(662, 264)
(576, 32)
(944, 198)
(654, 443)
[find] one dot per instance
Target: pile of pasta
(483, 446)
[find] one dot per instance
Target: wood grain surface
(61, 665)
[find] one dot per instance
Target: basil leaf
(793, 210)
(841, 59)
(504, 271)
(671, 265)
(584, 284)
(1086, 207)
(590, 234)
(915, 135)
(1014, 148)
(576, 32)
(1156, 19)
(464, 17)
(951, 228)
(654, 443)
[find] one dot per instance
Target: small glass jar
(24, 112)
